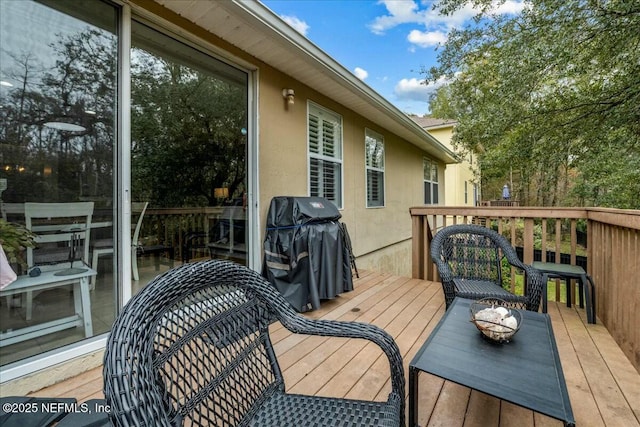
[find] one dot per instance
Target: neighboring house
(188, 88)
(462, 187)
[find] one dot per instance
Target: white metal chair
(12, 211)
(57, 226)
(105, 246)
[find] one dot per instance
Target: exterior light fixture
(289, 96)
(221, 193)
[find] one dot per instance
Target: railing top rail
(504, 211)
(185, 211)
(618, 217)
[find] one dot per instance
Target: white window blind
(374, 163)
(325, 154)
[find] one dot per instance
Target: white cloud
(300, 26)
(360, 73)
(411, 89)
(401, 12)
(427, 38)
(416, 90)
(458, 18)
(510, 7)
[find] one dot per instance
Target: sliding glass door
(61, 143)
(188, 152)
(58, 90)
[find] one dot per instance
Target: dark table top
(564, 269)
(525, 371)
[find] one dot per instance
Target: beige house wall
(455, 174)
(283, 160)
(283, 164)
(394, 259)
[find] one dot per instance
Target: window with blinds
(325, 154)
(430, 169)
(374, 164)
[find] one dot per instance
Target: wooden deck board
(609, 398)
(582, 401)
(604, 388)
(482, 410)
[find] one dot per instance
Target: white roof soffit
(255, 29)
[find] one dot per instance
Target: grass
(551, 288)
(565, 248)
(551, 291)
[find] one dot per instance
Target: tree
(551, 92)
(45, 163)
(188, 133)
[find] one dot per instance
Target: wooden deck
(604, 388)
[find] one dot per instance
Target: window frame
(378, 138)
(336, 160)
(466, 193)
(430, 180)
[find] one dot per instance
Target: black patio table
(525, 371)
(567, 272)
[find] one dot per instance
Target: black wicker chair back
(469, 260)
(193, 348)
(473, 256)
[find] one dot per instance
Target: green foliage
(187, 133)
(188, 126)
(551, 94)
(506, 274)
(78, 163)
(14, 239)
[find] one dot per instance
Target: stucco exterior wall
(455, 174)
(283, 160)
(394, 259)
(283, 163)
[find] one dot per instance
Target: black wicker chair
(469, 261)
(193, 348)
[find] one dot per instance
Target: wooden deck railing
(611, 249)
(170, 225)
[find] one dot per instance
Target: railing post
(528, 241)
(418, 247)
(429, 268)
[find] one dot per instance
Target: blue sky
(385, 43)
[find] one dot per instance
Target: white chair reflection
(12, 212)
(58, 227)
(105, 246)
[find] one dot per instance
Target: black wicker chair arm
(445, 273)
(149, 381)
(533, 285)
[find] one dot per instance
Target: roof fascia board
(274, 24)
(443, 126)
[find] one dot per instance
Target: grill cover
(305, 256)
